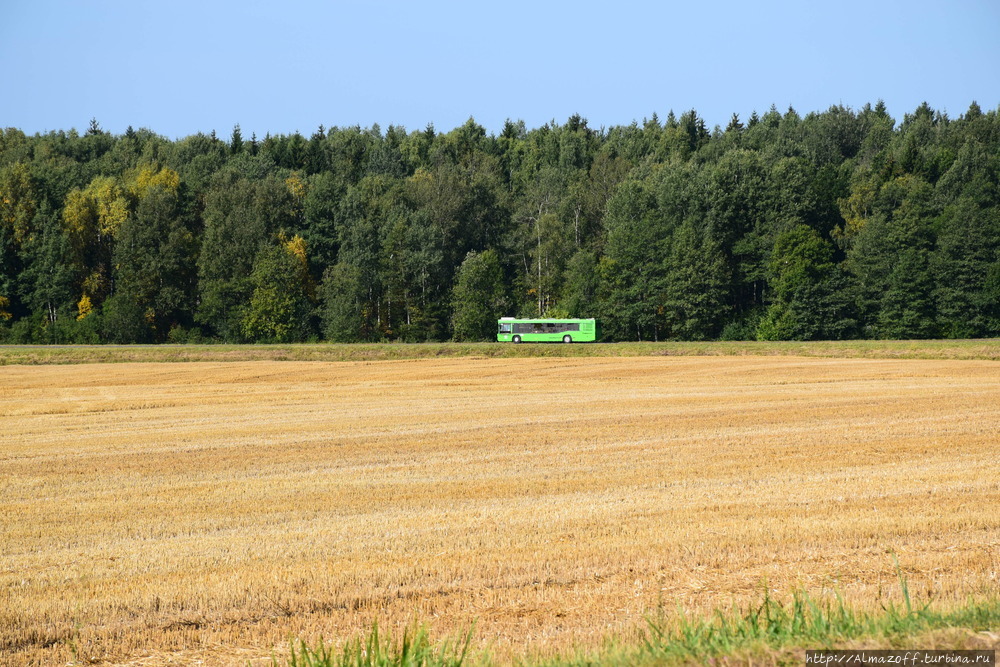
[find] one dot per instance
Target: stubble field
(154, 513)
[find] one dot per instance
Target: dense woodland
(840, 224)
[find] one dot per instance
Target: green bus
(513, 330)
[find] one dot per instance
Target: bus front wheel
(567, 339)
(516, 339)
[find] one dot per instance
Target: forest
(837, 224)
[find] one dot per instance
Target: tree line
(838, 224)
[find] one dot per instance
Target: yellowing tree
(859, 206)
(297, 188)
(112, 204)
(97, 211)
(17, 201)
(84, 307)
(80, 219)
(296, 247)
(92, 217)
(148, 176)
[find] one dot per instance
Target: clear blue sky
(182, 67)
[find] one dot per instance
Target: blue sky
(182, 67)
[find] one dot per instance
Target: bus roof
(544, 319)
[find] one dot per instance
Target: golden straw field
(206, 513)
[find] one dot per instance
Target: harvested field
(211, 511)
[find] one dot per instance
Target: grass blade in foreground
(374, 650)
(774, 632)
(769, 631)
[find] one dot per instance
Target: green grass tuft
(986, 349)
(376, 649)
(763, 629)
(769, 627)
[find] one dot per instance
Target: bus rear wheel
(567, 339)
(516, 339)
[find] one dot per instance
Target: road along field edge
(984, 349)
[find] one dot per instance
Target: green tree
(479, 297)
(47, 282)
(632, 270)
(124, 320)
(907, 306)
(342, 302)
(696, 286)
(889, 260)
(155, 267)
(279, 310)
(321, 219)
(365, 220)
(241, 217)
(810, 297)
(428, 306)
(538, 237)
(580, 285)
(236, 142)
